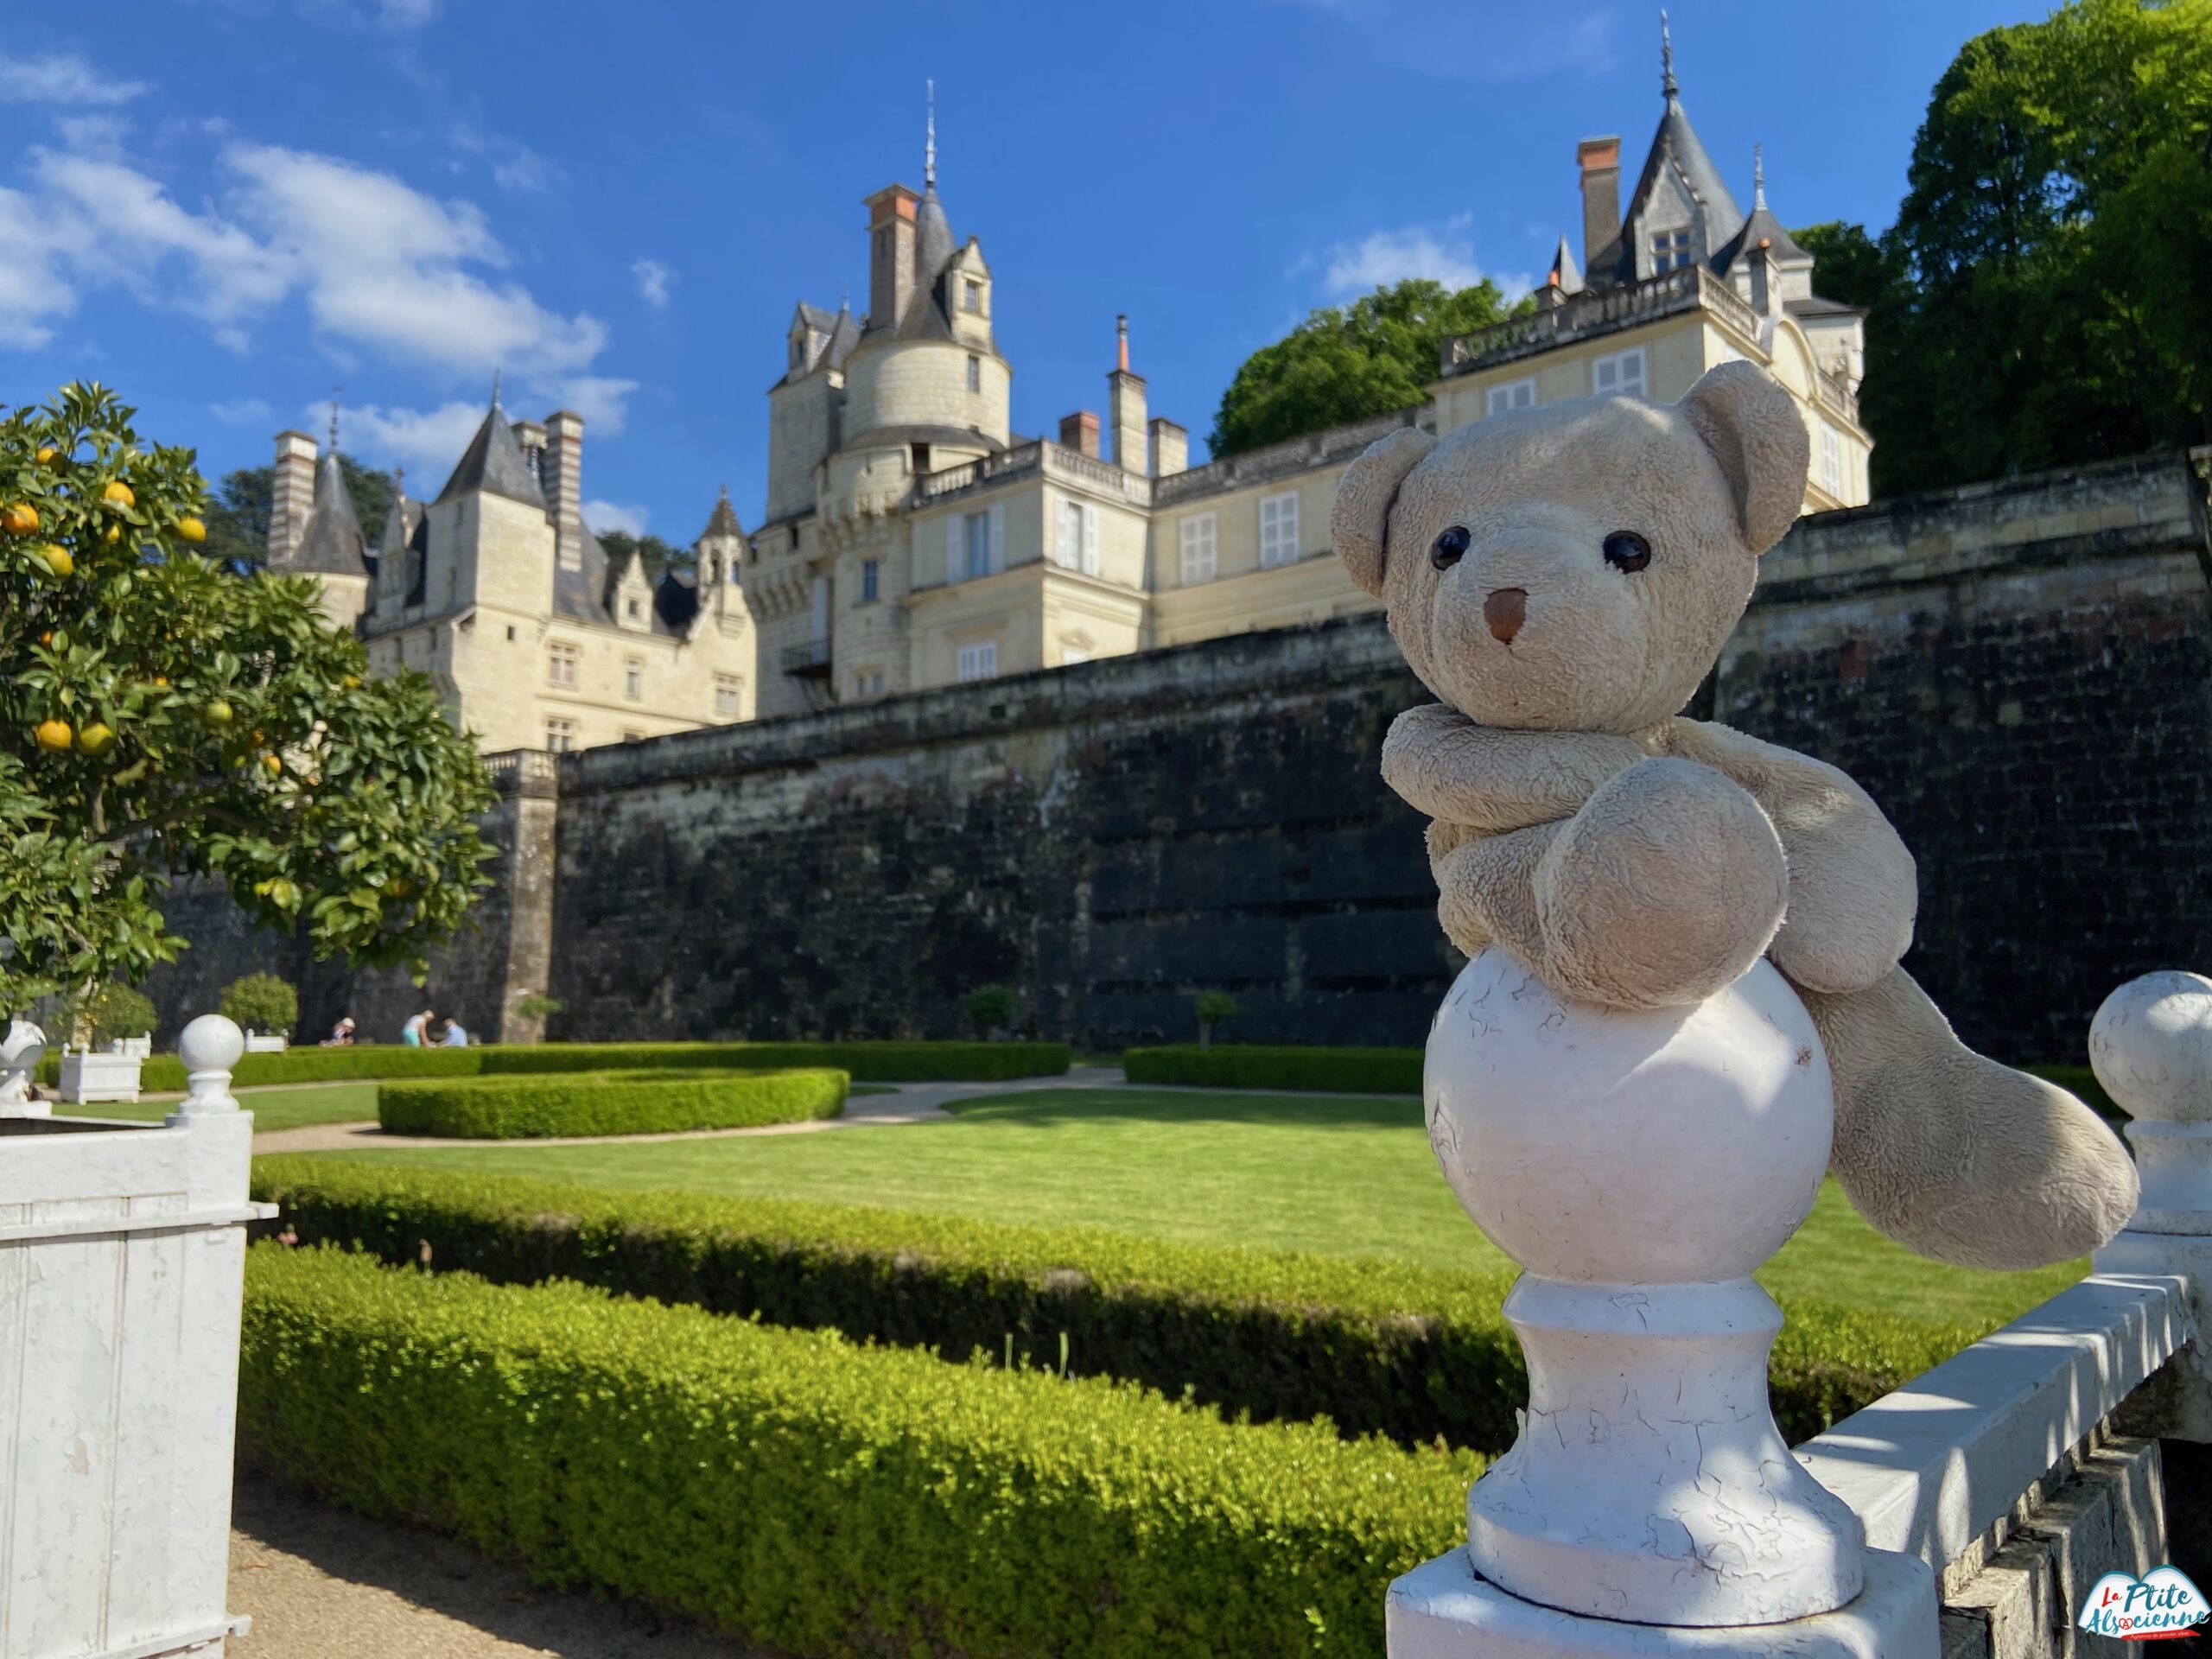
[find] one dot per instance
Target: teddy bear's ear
(1361, 521)
(1750, 423)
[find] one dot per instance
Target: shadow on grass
(1049, 1108)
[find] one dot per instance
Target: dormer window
(1670, 250)
(971, 296)
(635, 608)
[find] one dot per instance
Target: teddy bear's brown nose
(1505, 610)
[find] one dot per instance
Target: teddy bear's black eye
(1626, 550)
(1450, 547)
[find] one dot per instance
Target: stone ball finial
(211, 1043)
(2151, 1046)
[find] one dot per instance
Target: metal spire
(495, 387)
(399, 484)
(1759, 177)
(1667, 59)
(334, 392)
(929, 150)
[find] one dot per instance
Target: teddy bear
(1562, 579)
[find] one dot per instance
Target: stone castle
(912, 539)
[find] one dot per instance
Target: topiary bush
(1348, 1070)
(608, 1103)
(261, 1003)
(819, 1499)
(113, 1011)
(1375, 1346)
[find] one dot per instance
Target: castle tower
(329, 545)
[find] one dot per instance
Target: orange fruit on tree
(46, 454)
(189, 529)
(55, 557)
(271, 764)
(118, 494)
(19, 519)
(97, 739)
(53, 735)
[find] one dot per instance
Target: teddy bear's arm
(1486, 888)
(1852, 889)
(1443, 765)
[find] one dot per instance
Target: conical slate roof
(1566, 275)
(493, 461)
(934, 244)
(722, 521)
(1676, 143)
(332, 544)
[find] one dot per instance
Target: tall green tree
(160, 716)
(1347, 363)
(2053, 255)
(237, 517)
(658, 555)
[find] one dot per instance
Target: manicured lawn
(272, 1108)
(1347, 1176)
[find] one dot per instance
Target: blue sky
(224, 208)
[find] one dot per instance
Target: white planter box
(264, 1042)
(121, 1255)
(99, 1076)
(140, 1047)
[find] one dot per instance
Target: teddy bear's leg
(1486, 888)
(1953, 1155)
(1663, 888)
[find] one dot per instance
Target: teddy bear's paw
(1662, 890)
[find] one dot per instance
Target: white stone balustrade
(122, 1251)
(1640, 1167)
(2151, 1046)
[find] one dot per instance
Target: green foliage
(1351, 1070)
(1349, 363)
(818, 1499)
(1375, 1346)
(2045, 295)
(261, 1003)
(213, 725)
(867, 1061)
(237, 515)
(112, 1011)
(989, 1009)
(538, 1005)
(658, 555)
(1213, 1008)
(604, 1103)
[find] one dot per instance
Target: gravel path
(322, 1584)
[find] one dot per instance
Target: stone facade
(2020, 672)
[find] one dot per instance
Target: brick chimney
(292, 497)
(1600, 159)
(1125, 404)
(890, 254)
(561, 469)
(1171, 448)
(1079, 432)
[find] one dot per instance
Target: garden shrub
(606, 1103)
(1376, 1346)
(821, 1498)
(261, 1003)
(113, 1011)
(1347, 1070)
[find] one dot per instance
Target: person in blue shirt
(452, 1036)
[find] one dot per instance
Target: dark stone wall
(2021, 674)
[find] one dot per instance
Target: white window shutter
(997, 555)
(956, 548)
(1089, 540)
(1054, 553)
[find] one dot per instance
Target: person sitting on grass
(450, 1035)
(416, 1033)
(341, 1035)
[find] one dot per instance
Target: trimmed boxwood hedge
(863, 1062)
(1346, 1070)
(1376, 1346)
(608, 1103)
(821, 1498)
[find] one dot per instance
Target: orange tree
(161, 716)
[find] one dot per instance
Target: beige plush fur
(1635, 859)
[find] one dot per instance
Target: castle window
(974, 370)
(510, 633)
(1670, 250)
(561, 664)
(971, 297)
(729, 692)
(1521, 394)
(975, 533)
(921, 465)
(633, 677)
(1278, 529)
(1831, 461)
(1075, 545)
(868, 582)
(560, 736)
(979, 662)
(1197, 538)
(1620, 375)
(635, 608)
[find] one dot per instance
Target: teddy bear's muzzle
(1505, 611)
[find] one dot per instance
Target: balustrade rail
(1691, 288)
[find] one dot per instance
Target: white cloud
(603, 400)
(1444, 255)
(64, 78)
(428, 440)
(603, 516)
(406, 14)
(515, 166)
(242, 411)
(654, 280)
